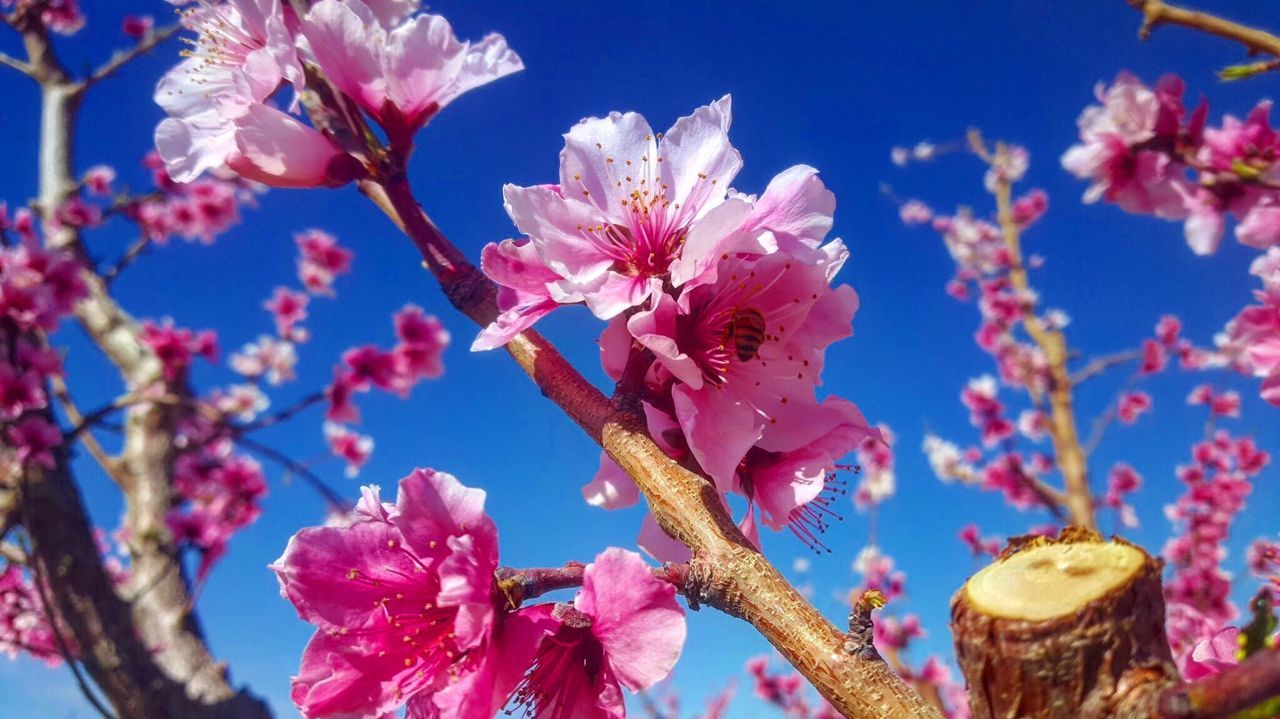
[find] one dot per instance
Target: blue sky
(834, 85)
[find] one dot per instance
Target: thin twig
(131, 253)
(100, 455)
(125, 56)
(336, 501)
(1099, 365)
(16, 64)
(283, 415)
(1157, 12)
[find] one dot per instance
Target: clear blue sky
(827, 84)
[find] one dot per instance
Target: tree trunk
(1068, 627)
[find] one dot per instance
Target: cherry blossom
(402, 71)
(349, 446)
(624, 629)
(321, 261)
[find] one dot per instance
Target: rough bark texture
(1104, 658)
(170, 671)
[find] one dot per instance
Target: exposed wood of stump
(1068, 627)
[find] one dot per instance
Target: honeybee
(746, 332)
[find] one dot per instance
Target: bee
(746, 332)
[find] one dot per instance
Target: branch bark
(1157, 12)
(173, 673)
(726, 569)
(1062, 420)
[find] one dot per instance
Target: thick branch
(1157, 12)
(1062, 420)
(162, 616)
(726, 569)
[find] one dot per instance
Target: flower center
(564, 671)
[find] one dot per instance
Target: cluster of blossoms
(876, 482)
(38, 288)
(1142, 150)
(408, 610)
(1218, 481)
(198, 209)
(1252, 342)
(24, 619)
(1264, 561)
(719, 307)
(220, 490)
(1006, 470)
(61, 16)
(415, 357)
(395, 65)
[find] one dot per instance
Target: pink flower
(339, 394)
(21, 390)
(1113, 136)
(137, 26)
(977, 544)
(1211, 656)
(402, 72)
(98, 180)
(24, 619)
(523, 294)
(349, 446)
(288, 308)
(1029, 208)
(269, 357)
(746, 352)
(175, 347)
(915, 212)
(320, 261)
(215, 99)
(1132, 405)
(628, 204)
(34, 440)
(402, 601)
(423, 340)
(624, 629)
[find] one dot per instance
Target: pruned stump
(1067, 627)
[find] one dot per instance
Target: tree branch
(726, 570)
(1234, 690)
(1157, 12)
(123, 57)
(335, 500)
(180, 677)
(1099, 365)
(16, 64)
(1062, 420)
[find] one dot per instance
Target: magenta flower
(402, 600)
(401, 71)
(628, 204)
(624, 629)
(216, 100)
(1211, 656)
(1119, 150)
(746, 352)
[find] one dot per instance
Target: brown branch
(1236, 689)
(1062, 421)
(1100, 365)
(726, 571)
(173, 673)
(331, 496)
(108, 463)
(283, 415)
(131, 254)
(14, 63)
(1157, 12)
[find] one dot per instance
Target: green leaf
(1232, 73)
